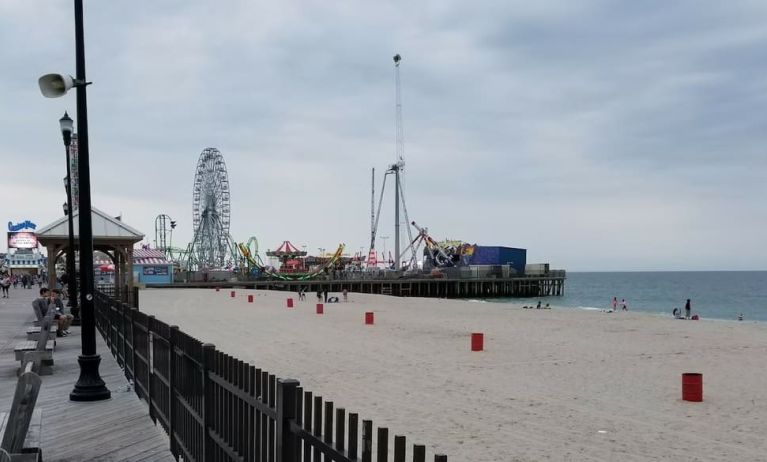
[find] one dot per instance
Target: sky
(599, 135)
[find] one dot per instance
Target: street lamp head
(67, 127)
(67, 124)
(55, 85)
(66, 208)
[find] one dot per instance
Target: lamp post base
(89, 386)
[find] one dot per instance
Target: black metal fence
(215, 407)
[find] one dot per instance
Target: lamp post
(67, 128)
(89, 386)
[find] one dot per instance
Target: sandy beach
(560, 385)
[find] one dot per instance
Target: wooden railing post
(133, 348)
(123, 309)
(287, 443)
(208, 448)
(150, 365)
(172, 389)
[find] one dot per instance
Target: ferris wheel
(211, 247)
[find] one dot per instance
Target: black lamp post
(89, 386)
(67, 128)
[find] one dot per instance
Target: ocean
(714, 294)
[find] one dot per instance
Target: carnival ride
(212, 247)
(289, 257)
(397, 169)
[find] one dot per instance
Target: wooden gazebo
(110, 236)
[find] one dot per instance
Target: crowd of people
(27, 281)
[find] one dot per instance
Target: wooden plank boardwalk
(118, 429)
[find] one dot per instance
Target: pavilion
(110, 236)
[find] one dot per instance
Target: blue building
(151, 267)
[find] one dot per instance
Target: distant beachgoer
(615, 303)
(677, 313)
(547, 307)
(624, 306)
(740, 317)
(538, 306)
(687, 309)
(325, 294)
(346, 295)
(319, 295)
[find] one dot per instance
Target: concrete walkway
(118, 429)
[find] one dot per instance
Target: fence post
(208, 449)
(133, 348)
(123, 308)
(150, 366)
(135, 296)
(172, 389)
(287, 443)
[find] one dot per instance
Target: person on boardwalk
(65, 320)
(40, 304)
(687, 309)
(5, 283)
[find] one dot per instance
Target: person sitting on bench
(65, 320)
(46, 301)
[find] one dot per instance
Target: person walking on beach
(687, 309)
(624, 306)
(615, 304)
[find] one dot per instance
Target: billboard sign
(22, 240)
(155, 271)
(26, 224)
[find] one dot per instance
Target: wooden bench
(22, 426)
(40, 352)
(31, 345)
(33, 333)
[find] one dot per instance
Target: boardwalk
(118, 429)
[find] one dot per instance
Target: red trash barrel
(477, 341)
(369, 318)
(320, 308)
(231, 294)
(290, 303)
(692, 387)
(250, 299)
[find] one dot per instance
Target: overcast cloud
(599, 135)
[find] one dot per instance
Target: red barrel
(320, 308)
(231, 294)
(250, 299)
(369, 318)
(218, 289)
(290, 303)
(692, 387)
(477, 341)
